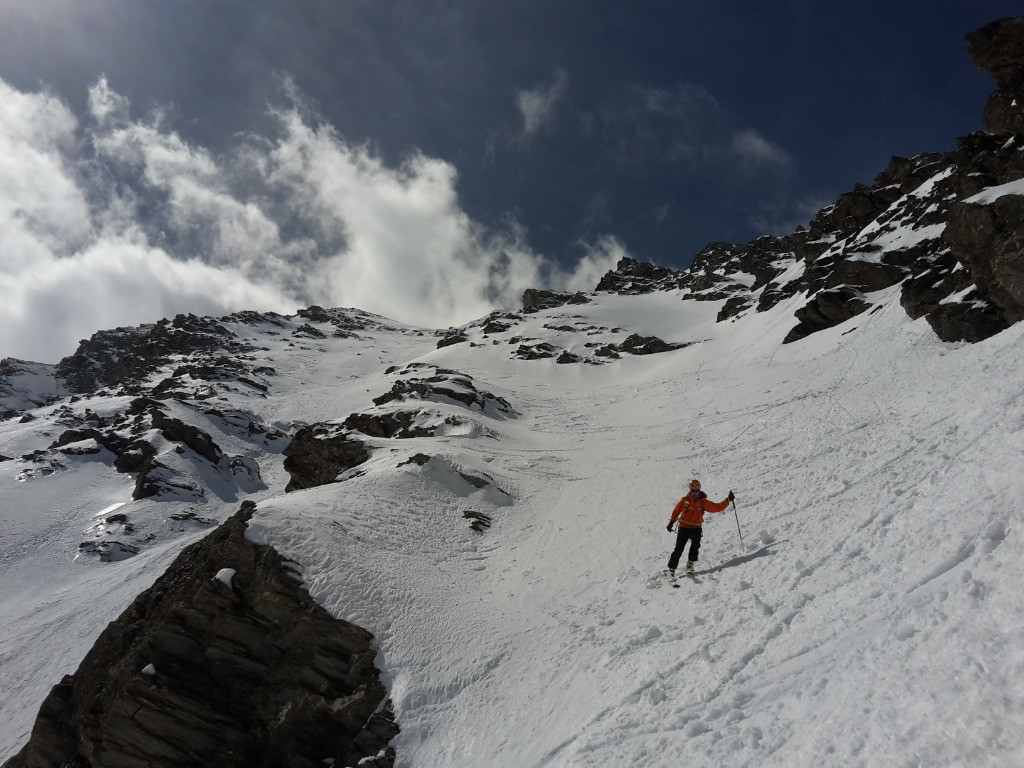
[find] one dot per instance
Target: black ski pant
(684, 535)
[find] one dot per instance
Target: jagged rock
(251, 317)
(134, 457)
(178, 431)
(536, 300)
(108, 551)
(536, 351)
(129, 354)
(733, 307)
(923, 292)
(608, 351)
(419, 459)
(495, 326)
(309, 331)
(452, 338)
(446, 385)
(157, 479)
(965, 321)
(998, 48)
(989, 241)
(631, 277)
(827, 309)
(345, 321)
(567, 358)
(319, 453)
(199, 673)
(646, 345)
(481, 522)
(389, 425)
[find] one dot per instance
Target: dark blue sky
(665, 124)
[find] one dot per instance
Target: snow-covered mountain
(490, 502)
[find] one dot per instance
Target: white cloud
(114, 221)
(600, 257)
(750, 146)
(537, 106)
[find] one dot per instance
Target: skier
(690, 514)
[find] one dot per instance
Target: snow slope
(872, 618)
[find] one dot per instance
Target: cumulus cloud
(537, 106)
(107, 219)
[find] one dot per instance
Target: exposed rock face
(999, 48)
(825, 310)
(646, 345)
(124, 354)
(536, 300)
(397, 425)
(631, 277)
(233, 668)
(989, 241)
(452, 338)
(319, 453)
(444, 386)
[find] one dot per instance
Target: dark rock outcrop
(631, 277)
(444, 386)
(452, 338)
(397, 425)
(236, 668)
(123, 355)
(319, 453)
(539, 351)
(827, 309)
(989, 241)
(535, 300)
(998, 48)
(646, 345)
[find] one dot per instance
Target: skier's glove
(732, 496)
(669, 527)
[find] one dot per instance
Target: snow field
(872, 619)
(869, 621)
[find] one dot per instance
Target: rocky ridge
(924, 224)
(225, 661)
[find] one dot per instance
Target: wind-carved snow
(874, 617)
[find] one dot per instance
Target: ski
(671, 578)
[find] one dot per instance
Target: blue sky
(550, 132)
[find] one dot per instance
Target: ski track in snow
(873, 618)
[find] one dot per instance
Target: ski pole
(738, 523)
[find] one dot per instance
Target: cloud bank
(108, 219)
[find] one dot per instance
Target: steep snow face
(871, 616)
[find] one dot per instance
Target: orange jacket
(690, 511)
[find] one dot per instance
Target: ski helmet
(695, 485)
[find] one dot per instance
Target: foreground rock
(225, 662)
